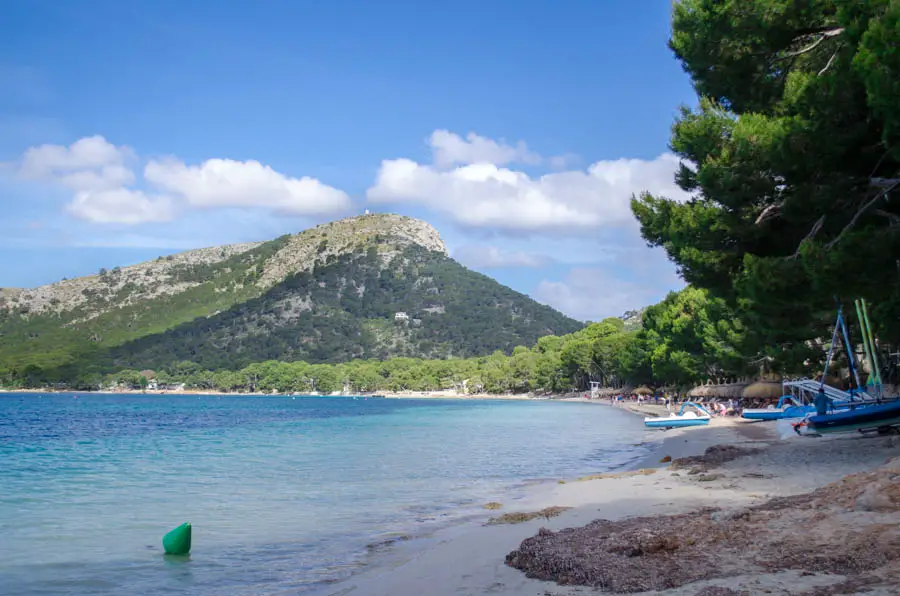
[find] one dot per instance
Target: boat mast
(875, 368)
(849, 348)
(866, 346)
(834, 340)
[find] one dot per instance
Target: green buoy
(178, 540)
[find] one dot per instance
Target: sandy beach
(758, 521)
(444, 394)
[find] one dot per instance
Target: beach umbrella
(763, 390)
(738, 391)
(643, 390)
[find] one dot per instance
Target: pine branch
(768, 212)
(884, 182)
(830, 62)
(824, 35)
(887, 184)
(815, 230)
(817, 31)
(892, 217)
(860, 211)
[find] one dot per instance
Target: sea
(286, 495)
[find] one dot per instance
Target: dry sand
(747, 531)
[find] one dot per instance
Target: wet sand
(735, 502)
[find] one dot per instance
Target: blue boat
(860, 416)
(788, 407)
(862, 413)
(682, 419)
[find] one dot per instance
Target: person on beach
(821, 402)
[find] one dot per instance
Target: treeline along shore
(688, 338)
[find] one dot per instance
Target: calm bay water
(284, 494)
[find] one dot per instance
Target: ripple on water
(283, 494)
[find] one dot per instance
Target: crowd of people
(716, 407)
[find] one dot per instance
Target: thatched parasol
(723, 391)
(737, 390)
(699, 391)
(763, 390)
(710, 391)
(643, 390)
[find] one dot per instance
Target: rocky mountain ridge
(145, 280)
(372, 286)
(90, 296)
(388, 232)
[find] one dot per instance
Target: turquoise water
(285, 495)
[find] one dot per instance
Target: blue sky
(518, 129)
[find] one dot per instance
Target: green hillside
(51, 339)
(329, 294)
(347, 309)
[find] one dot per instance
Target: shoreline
(470, 558)
(830, 507)
(403, 553)
(380, 395)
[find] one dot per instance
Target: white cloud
(449, 149)
(482, 194)
(88, 163)
(492, 257)
(105, 187)
(229, 183)
(121, 206)
(592, 294)
(635, 277)
(98, 173)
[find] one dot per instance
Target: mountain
(373, 286)
(633, 319)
